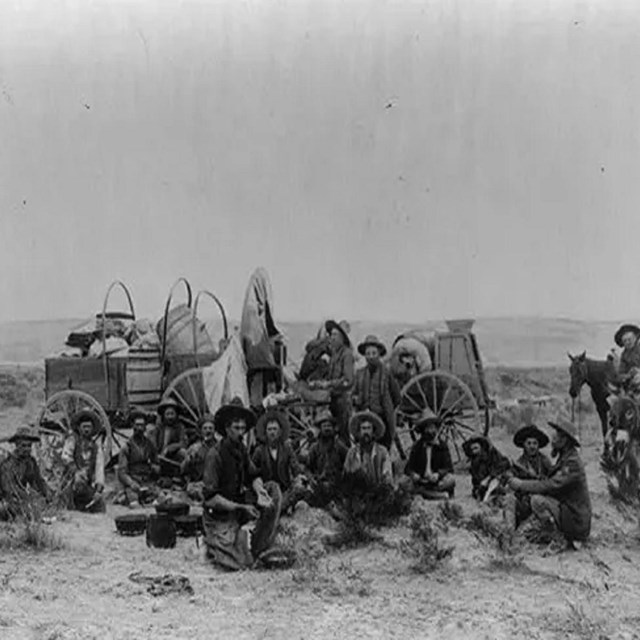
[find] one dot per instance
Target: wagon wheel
(302, 432)
(187, 390)
(452, 402)
(54, 426)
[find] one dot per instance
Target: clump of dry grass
(424, 546)
(451, 512)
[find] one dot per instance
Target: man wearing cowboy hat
(229, 506)
(192, 467)
(326, 459)
(375, 388)
(340, 377)
(531, 465)
(20, 476)
(430, 467)
(562, 500)
(367, 457)
(275, 459)
(488, 467)
(84, 459)
(169, 437)
(138, 466)
(627, 337)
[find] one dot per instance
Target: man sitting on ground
(488, 468)
(275, 459)
(170, 439)
(229, 506)
(85, 463)
(192, 466)
(429, 466)
(138, 465)
(561, 502)
(531, 465)
(20, 477)
(367, 458)
(326, 460)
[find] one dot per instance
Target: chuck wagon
(111, 380)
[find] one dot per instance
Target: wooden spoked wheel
(449, 399)
(187, 390)
(54, 426)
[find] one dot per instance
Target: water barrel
(180, 333)
(144, 378)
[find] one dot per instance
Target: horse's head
(578, 373)
(624, 425)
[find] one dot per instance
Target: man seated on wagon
(488, 468)
(138, 467)
(375, 388)
(275, 459)
(235, 495)
(169, 438)
(367, 458)
(326, 460)
(192, 467)
(430, 467)
(20, 479)
(84, 460)
(531, 465)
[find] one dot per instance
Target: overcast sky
(382, 160)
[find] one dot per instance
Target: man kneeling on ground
(429, 466)
(561, 502)
(85, 463)
(229, 507)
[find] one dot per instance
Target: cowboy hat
(324, 415)
(530, 431)
(342, 327)
(25, 433)
(426, 417)
(85, 415)
(168, 403)
(466, 445)
(269, 416)
(626, 328)
(567, 428)
(230, 411)
(367, 416)
(372, 341)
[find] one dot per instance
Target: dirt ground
(84, 590)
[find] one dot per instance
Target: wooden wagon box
(88, 375)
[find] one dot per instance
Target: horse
(596, 374)
(621, 456)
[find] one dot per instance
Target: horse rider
(561, 502)
(375, 388)
(84, 458)
(628, 338)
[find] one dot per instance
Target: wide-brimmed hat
(426, 417)
(235, 409)
(85, 415)
(367, 416)
(567, 427)
(269, 416)
(25, 433)
(324, 415)
(168, 403)
(372, 341)
(530, 431)
(626, 328)
(466, 445)
(330, 325)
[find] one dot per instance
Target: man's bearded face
(236, 429)
(531, 446)
(208, 431)
(139, 427)
(366, 433)
(326, 430)
(86, 429)
(23, 448)
(372, 355)
(273, 431)
(475, 450)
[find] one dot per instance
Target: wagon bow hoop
(194, 319)
(167, 307)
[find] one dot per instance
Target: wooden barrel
(144, 378)
(180, 332)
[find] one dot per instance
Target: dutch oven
(173, 509)
(189, 526)
(131, 524)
